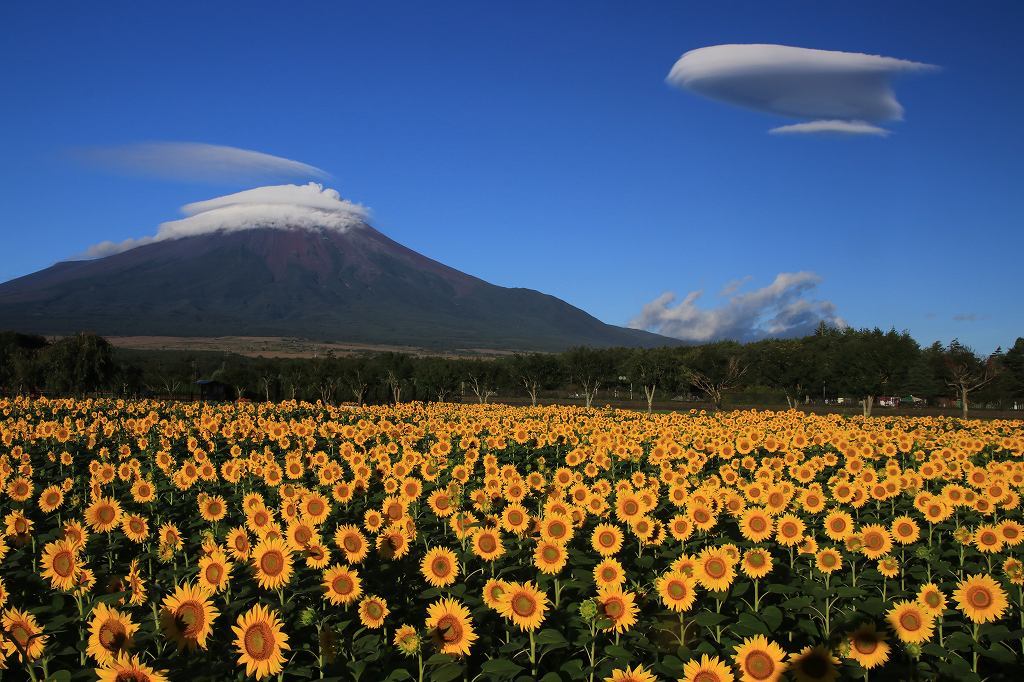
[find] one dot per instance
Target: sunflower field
(147, 541)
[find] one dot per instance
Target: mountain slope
(355, 286)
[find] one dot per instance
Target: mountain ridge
(354, 285)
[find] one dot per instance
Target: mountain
(354, 285)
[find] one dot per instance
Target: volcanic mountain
(294, 278)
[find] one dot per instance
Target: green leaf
(707, 619)
(550, 636)
(574, 669)
(551, 677)
(618, 652)
(446, 673)
(772, 617)
(501, 667)
(59, 676)
(398, 674)
(999, 653)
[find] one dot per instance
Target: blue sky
(539, 145)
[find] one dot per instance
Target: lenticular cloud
(310, 206)
(836, 92)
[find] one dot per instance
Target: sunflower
(60, 564)
(876, 540)
(451, 627)
(103, 515)
(759, 660)
(676, 590)
(215, 571)
(352, 542)
(814, 664)
(828, 560)
(606, 539)
(487, 544)
(135, 527)
(127, 668)
(494, 590)
(515, 519)
(239, 544)
(407, 640)
(714, 570)
(868, 646)
(550, 557)
(609, 573)
(981, 598)
(912, 624)
(260, 642)
(756, 563)
(556, 528)
(393, 543)
(756, 525)
(838, 526)
(680, 527)
(440, 567)
(372, 611)
(212, 508)
(904, 530)
(21, 627)
(186, 617)
(707, 669)
(51, 499)
(272, 562)
(889, 566)
(342, 584)
(524, 605)
(619, 607)
(110, 634)
(789, 530)
(317, 554)
(637, 674)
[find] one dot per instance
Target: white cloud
(832, 88)
(309, 206)
(781, 309)
(835, 127)
(199, 162)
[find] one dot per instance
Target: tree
(535, 371)
(788, 365)
(588, 368)
(649, 367)
(966, 372)
(714, 370)
(397, 372)
(436, 377)
(20, 367)
(1012, 382)
(483, 378)
(876, 362)
(79, 364)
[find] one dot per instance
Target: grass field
(148, 541)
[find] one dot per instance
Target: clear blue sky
(538, 144)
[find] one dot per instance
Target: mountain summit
(238, 268)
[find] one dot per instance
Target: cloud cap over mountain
(824, 86)
(310, 206)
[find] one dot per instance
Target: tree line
(857, 364)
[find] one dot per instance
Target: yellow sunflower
(260, 643)
(868, 646)
(714, 570)
(372, 611)
(342, 584)
(707, 669)
(606, 539)
(524, 605)
(186, 617)
(814, 664)
(487, 544)
(451, 627)
(759, 660)
(609, 573)
(215, 571)
(637, 674)
(494, 590)
(677, 591)
(60, 564)
(127, 668)
(440, 567)
(619, 607)
(21, 626)
(272, 562)
(981, 598)
(911, 623)
(110, 634)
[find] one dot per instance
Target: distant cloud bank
(199, 162)
(837, 92)
(781, 309)
(309, 206)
